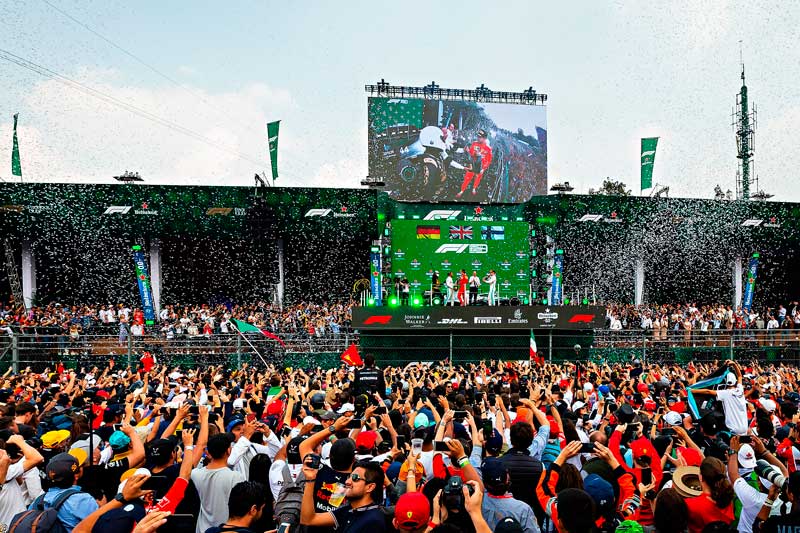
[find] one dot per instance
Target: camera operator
(459, 505)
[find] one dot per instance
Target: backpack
(290, 500)
(40, 519)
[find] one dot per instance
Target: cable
(44, 71)
(150, 67)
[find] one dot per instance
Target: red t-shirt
(703, 511)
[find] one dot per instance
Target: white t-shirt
(276, 475)
(735, 407)
(752, 501)
(12, 500)
(214, 487)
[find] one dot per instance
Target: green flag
(272, 136)
(16, 167)
(648, 159)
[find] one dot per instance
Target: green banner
(648, 159)
(272, 136)
(16, 166)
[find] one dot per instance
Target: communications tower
(744, 124)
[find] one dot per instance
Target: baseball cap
(119, 440)
(494, 443)
(494, 472)
(421, 421)
(673, 419)
(412, 510)
(747, 457)
(601, 492)
(346, 408)
(238, 403)
(768, 405)
(53, 438)
(61, 466)
(318, 400)
(365, 441)
(730, 378)
(79, 454)
(690, 456)
(324, 414)
(578, 405)
(121, 519)
(233, 423)
(162, 448)
(508, 525)
(603, 389)
(293, 450)
(629, 526)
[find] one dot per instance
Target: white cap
(730, 378)
(747, 457)
(346, 408)
(768, 404)
(578, 405)
(673, 419)
(238, 403)
(587, 386)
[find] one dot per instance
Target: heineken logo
(521, 274)
(416, 284)
(506, 264)
(446, 263)
(506, 284)
(521, 255)
(400, 274)
(399, 254)
(415, 263)
(429, 273)
(476, 264)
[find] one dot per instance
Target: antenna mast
(744, 126)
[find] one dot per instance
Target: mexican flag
(246, 327)
(534, 351)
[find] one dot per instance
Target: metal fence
(42, 351)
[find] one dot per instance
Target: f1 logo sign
(318, 212)
(461, 248)
(224, 211)
(581, 318)
(591, 218)
(441, 214)
(118, 209)
(752, 222)
(378, 319)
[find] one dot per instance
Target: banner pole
(249, 343)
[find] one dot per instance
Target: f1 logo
(118, 209)
(457, 248)
(441, 214)
(752, 222)
(591, 218)
(378, 319)
(219, 211)
(318, 212)
(581, 318)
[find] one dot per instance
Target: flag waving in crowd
(351, 357)
(246, 327)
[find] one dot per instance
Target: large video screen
(423, 248)
(453, 150)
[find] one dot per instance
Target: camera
(770, 473)
(453, 494)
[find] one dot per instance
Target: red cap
(642, 387)
(412, 510)
(563, 384)
(641, 447)
(366, 440)
(691, 456)
(275, 408)
(649, 405)
(102, 394)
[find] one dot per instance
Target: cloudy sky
(208, 75)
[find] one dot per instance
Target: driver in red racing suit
(481, 154)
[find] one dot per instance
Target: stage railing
(43, 351)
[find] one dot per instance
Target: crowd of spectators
(503, 447)
(177, 321)
(661, 319)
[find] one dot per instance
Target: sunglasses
(355, 477)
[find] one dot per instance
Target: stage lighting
(394, 301)
(544, 301)
(525, 301)
(416, 301)
(437, 301)
(585, 301)
(370, 302)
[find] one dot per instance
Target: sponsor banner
(480, 317)
(557, 286)
(750, 287)
(143, 280)
(375, 277)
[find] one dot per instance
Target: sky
(614, 71)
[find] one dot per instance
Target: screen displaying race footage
(425, 251)
(450, 151)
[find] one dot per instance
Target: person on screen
(451, 290)
(481, 155)
(474, 285)
(462, 287)
(491, 280)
